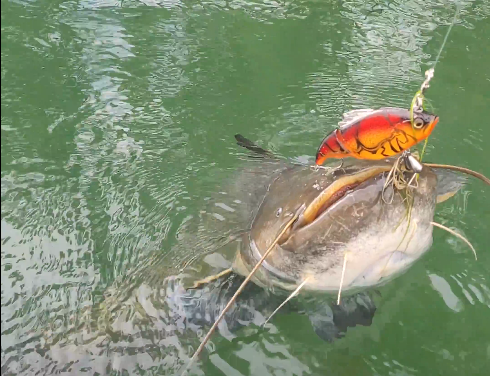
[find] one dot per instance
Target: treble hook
(328, 168)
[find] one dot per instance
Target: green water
(117, 125)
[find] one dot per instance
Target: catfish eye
(278, 212)
(418, 123)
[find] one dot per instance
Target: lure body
(376, 134)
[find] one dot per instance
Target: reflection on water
(119, 166)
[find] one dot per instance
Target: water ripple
(119, 167)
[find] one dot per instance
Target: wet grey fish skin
(359, 223)
(368, 223)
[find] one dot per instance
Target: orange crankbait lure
(376, 134)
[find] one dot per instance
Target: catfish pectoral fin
(330, 322)
(323, 325)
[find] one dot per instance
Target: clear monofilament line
(447, 34)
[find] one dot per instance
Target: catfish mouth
(330, 195)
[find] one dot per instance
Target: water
(117, 128)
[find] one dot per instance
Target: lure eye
(418, 123)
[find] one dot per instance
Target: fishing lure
(376, 134)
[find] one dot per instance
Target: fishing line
(458, 7)
(417, 104)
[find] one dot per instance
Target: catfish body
(358, 219)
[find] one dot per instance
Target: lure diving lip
(376, 134)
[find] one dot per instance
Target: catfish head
(353, 223)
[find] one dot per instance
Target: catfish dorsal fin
(246, 143)
(354, 115)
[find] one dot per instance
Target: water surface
(117, 130)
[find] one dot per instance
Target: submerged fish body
(200, 307)
(376, 134)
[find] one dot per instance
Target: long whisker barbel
(464, 170)
(395, 176)
(292, 295)
(240, 289)
(457, 235)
